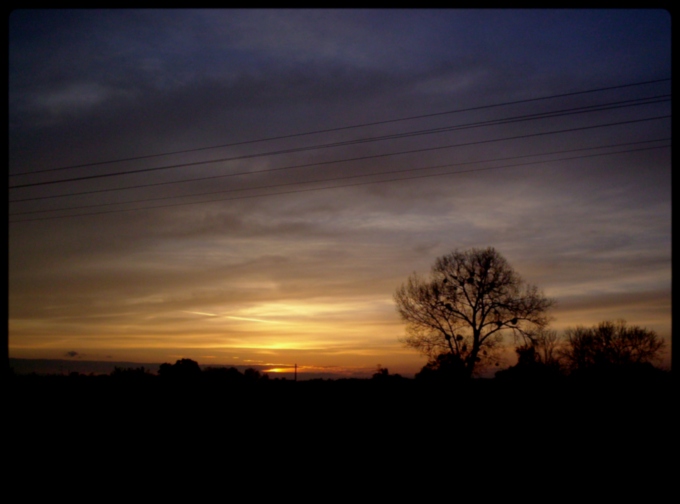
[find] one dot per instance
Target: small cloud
(72, 353)
(72, 98)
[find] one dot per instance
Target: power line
(543, 115)
(198, 163)
(212, 177)
(329, 130)
(347, 177)
(338, 186)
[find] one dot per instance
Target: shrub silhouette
(530, 367)
(182, 370)
(611, 346)
(444, 368)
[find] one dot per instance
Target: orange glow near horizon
(357, 341)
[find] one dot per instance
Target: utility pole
(295, 372)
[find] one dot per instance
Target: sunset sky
(288, 246)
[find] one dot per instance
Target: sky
(291, 169)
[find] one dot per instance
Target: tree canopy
(472, 298)
(611, 344)
(182, 369)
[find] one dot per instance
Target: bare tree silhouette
(471, 300)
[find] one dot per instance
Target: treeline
(531, 401)
(189, 371)
(183, 394)
(610, 352)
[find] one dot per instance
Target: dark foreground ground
(69, 401)
(612, 437)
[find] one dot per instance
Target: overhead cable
(114, 189)
(338, 186)
(341, 128)
(198, 163)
